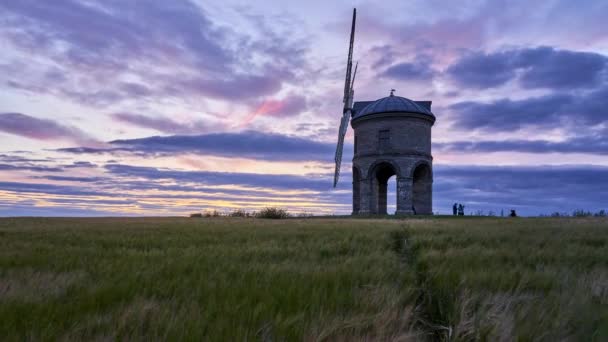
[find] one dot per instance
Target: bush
(272, 213)
(196, 215)
(239, 213)
(305, 214)
(214, 213)
(581, 213)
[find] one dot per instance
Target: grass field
(236, 279)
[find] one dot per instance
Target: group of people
(458, 209)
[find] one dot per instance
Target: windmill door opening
(383, 172)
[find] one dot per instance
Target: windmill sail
(348, 100)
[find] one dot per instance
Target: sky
(154, 107)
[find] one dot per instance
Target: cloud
(72, 179)
(246, 144)
(541, 67)
(101, 53)
(548, 111)
(531, 190)
(160, 123)
(417, 71)
(289, 106)
(283, 182)
(80, 164)
(479, 70)
(41, 129)
(48, 189)
(33, 168)
(587, 144)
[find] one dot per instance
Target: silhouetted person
(460, 210)
(414, 210)
(455, 209)
(513, 213)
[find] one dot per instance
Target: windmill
(348, 100)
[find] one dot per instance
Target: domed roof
(394, 103)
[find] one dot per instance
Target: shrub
(581, 213)
(239, 213)
(196, 215)
(272, 213)
(305, 214)
(213, 213)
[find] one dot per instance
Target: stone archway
(379, 178)
(356, 190)
(422, 183)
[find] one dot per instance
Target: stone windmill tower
(392, 138)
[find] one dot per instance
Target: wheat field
(312, 279)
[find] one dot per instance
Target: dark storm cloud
(541, 67)
(172, 48)
(553, 110)
(531, 190)
(40, 129)
(160, 123)
(409, 71)
(247, 144)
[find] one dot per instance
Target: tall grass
(230, 278)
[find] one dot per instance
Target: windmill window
(384, 138)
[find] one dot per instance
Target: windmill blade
(340, 146)
(352, 84)
(349, 61)
(348, 100)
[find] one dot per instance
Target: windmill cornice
(396, 114)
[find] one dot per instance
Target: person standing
(455, 209)
(460, 210)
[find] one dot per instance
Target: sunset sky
(155, 107)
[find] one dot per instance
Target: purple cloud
(480, 71)
(172, 48)
(542, 67)
(593, 144)
(532, 190)
(417, 71)
(33, 168)
(293, 182)
(160, 123)
(289, 106)
(549, 111)
(41, 129)
(247, 144)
